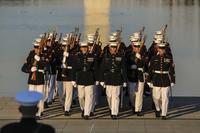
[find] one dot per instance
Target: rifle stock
(42, 44)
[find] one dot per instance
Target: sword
(121, 96)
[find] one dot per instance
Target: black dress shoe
(157, 113)
(111, 116)
(49, 103)
(139, 113)
(114, 117)
(110, 111)
(82, 114)
(91, 114)
(130, 104)
(86, 117)
(164, 118)
(46, 105)
(67, 113)
(133, 109)
(37, 117)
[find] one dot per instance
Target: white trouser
(85, 96)
(161, 99)
(136, 95)
(52, 87)
(38, 88)
(61, 92)
(96, 96)
(68, 87)
(113, 93)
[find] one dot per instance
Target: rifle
(74, 37)
(96, 40)
(142, 39)
(78, 38)
(142, 31)
(164, 31)
(41, 46)
(119, 39)
(142, 42)
(60, 38)
(64, 63)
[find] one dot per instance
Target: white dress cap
(112, 38)
(38, 40)
(136, 43)
(36, 44)
(161, 44)
(113, 44)
(65, 38)
(133, 39)
(90, 37)
(64, 43)
(137, 34)
(159, 32)
(114, 33)
(83, 44)
(157, 41)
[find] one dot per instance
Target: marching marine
(84, 78)
(161, 77)
(94, 47)
(64, 76)
(135, 73)
(113, 77)
(34, 65)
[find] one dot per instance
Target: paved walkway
(184, 117)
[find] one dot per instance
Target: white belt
(161, 72)
(40, 70)
(133, 66)
(140, 69)
(69, 67)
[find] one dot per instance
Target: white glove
(138, 55)
(45, 48)
(74, 84)
(37, 58)
(102, 84)
(66, 54)
(124, 84)
(97, 83)
(172, 84)
(63, 66)
(150, 84)
(33, 69)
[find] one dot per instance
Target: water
(21, 21)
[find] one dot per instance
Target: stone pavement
(183, 117)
